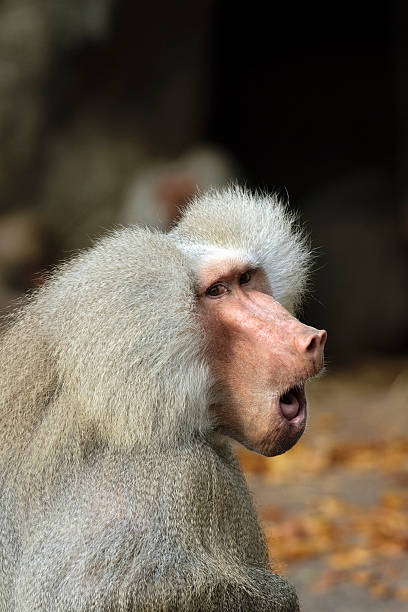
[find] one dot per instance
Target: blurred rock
(89, 165)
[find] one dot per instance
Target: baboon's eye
(244, 278)
(216, 290)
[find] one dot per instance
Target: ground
(335, 508)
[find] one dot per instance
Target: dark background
(304, 93)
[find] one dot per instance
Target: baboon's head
(157, 337)
(251, 266)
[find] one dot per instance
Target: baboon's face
(261, 357)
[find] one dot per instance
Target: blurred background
(114, 111)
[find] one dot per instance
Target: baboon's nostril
(312, 344)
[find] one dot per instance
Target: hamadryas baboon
(122, 380)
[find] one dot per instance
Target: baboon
(157, 194)
(122, 381)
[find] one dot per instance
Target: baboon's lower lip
(292, 404)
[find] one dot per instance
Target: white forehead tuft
(199, 254)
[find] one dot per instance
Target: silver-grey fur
(116, 493)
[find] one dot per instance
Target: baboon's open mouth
(292, 403)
